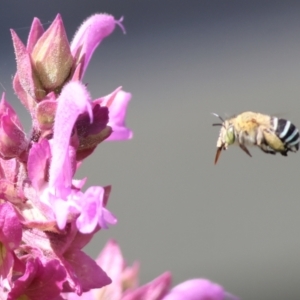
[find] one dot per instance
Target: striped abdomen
(288, 133)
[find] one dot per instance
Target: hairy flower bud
(52, 58)
(45, 113)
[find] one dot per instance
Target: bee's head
(226, 136)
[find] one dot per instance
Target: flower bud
(45, 114)
(52, 57)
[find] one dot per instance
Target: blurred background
(236, 223)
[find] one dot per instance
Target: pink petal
(197, 289)
(93, 212)
(13, 139)
(89, 35)
(7, 109)
(90, 275)
(117, 103)
(38, 160)
(29, 283)
(85, 296)
(73, 101)
(111, 260)
(10, 226)
(154, 290)
(61, 209)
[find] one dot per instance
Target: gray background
(236, 223)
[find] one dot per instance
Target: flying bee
(269, 133)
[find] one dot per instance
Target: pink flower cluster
(124, 284)
(45, 216)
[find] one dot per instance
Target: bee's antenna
(218, 124)
(216, 115)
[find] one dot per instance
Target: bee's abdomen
(287, 132)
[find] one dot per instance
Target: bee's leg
(243, 147)
(259, 136)
(261, 142)
(284, 153)
(265, 148)
(273, 143)
(242, 144)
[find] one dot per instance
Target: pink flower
(46, 217)
(67, 125)
(49, 62)
(89, 36)
(117, 103)
(124, 284)
(57, 197)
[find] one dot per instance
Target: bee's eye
(230, 137)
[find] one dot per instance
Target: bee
(269, 133)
